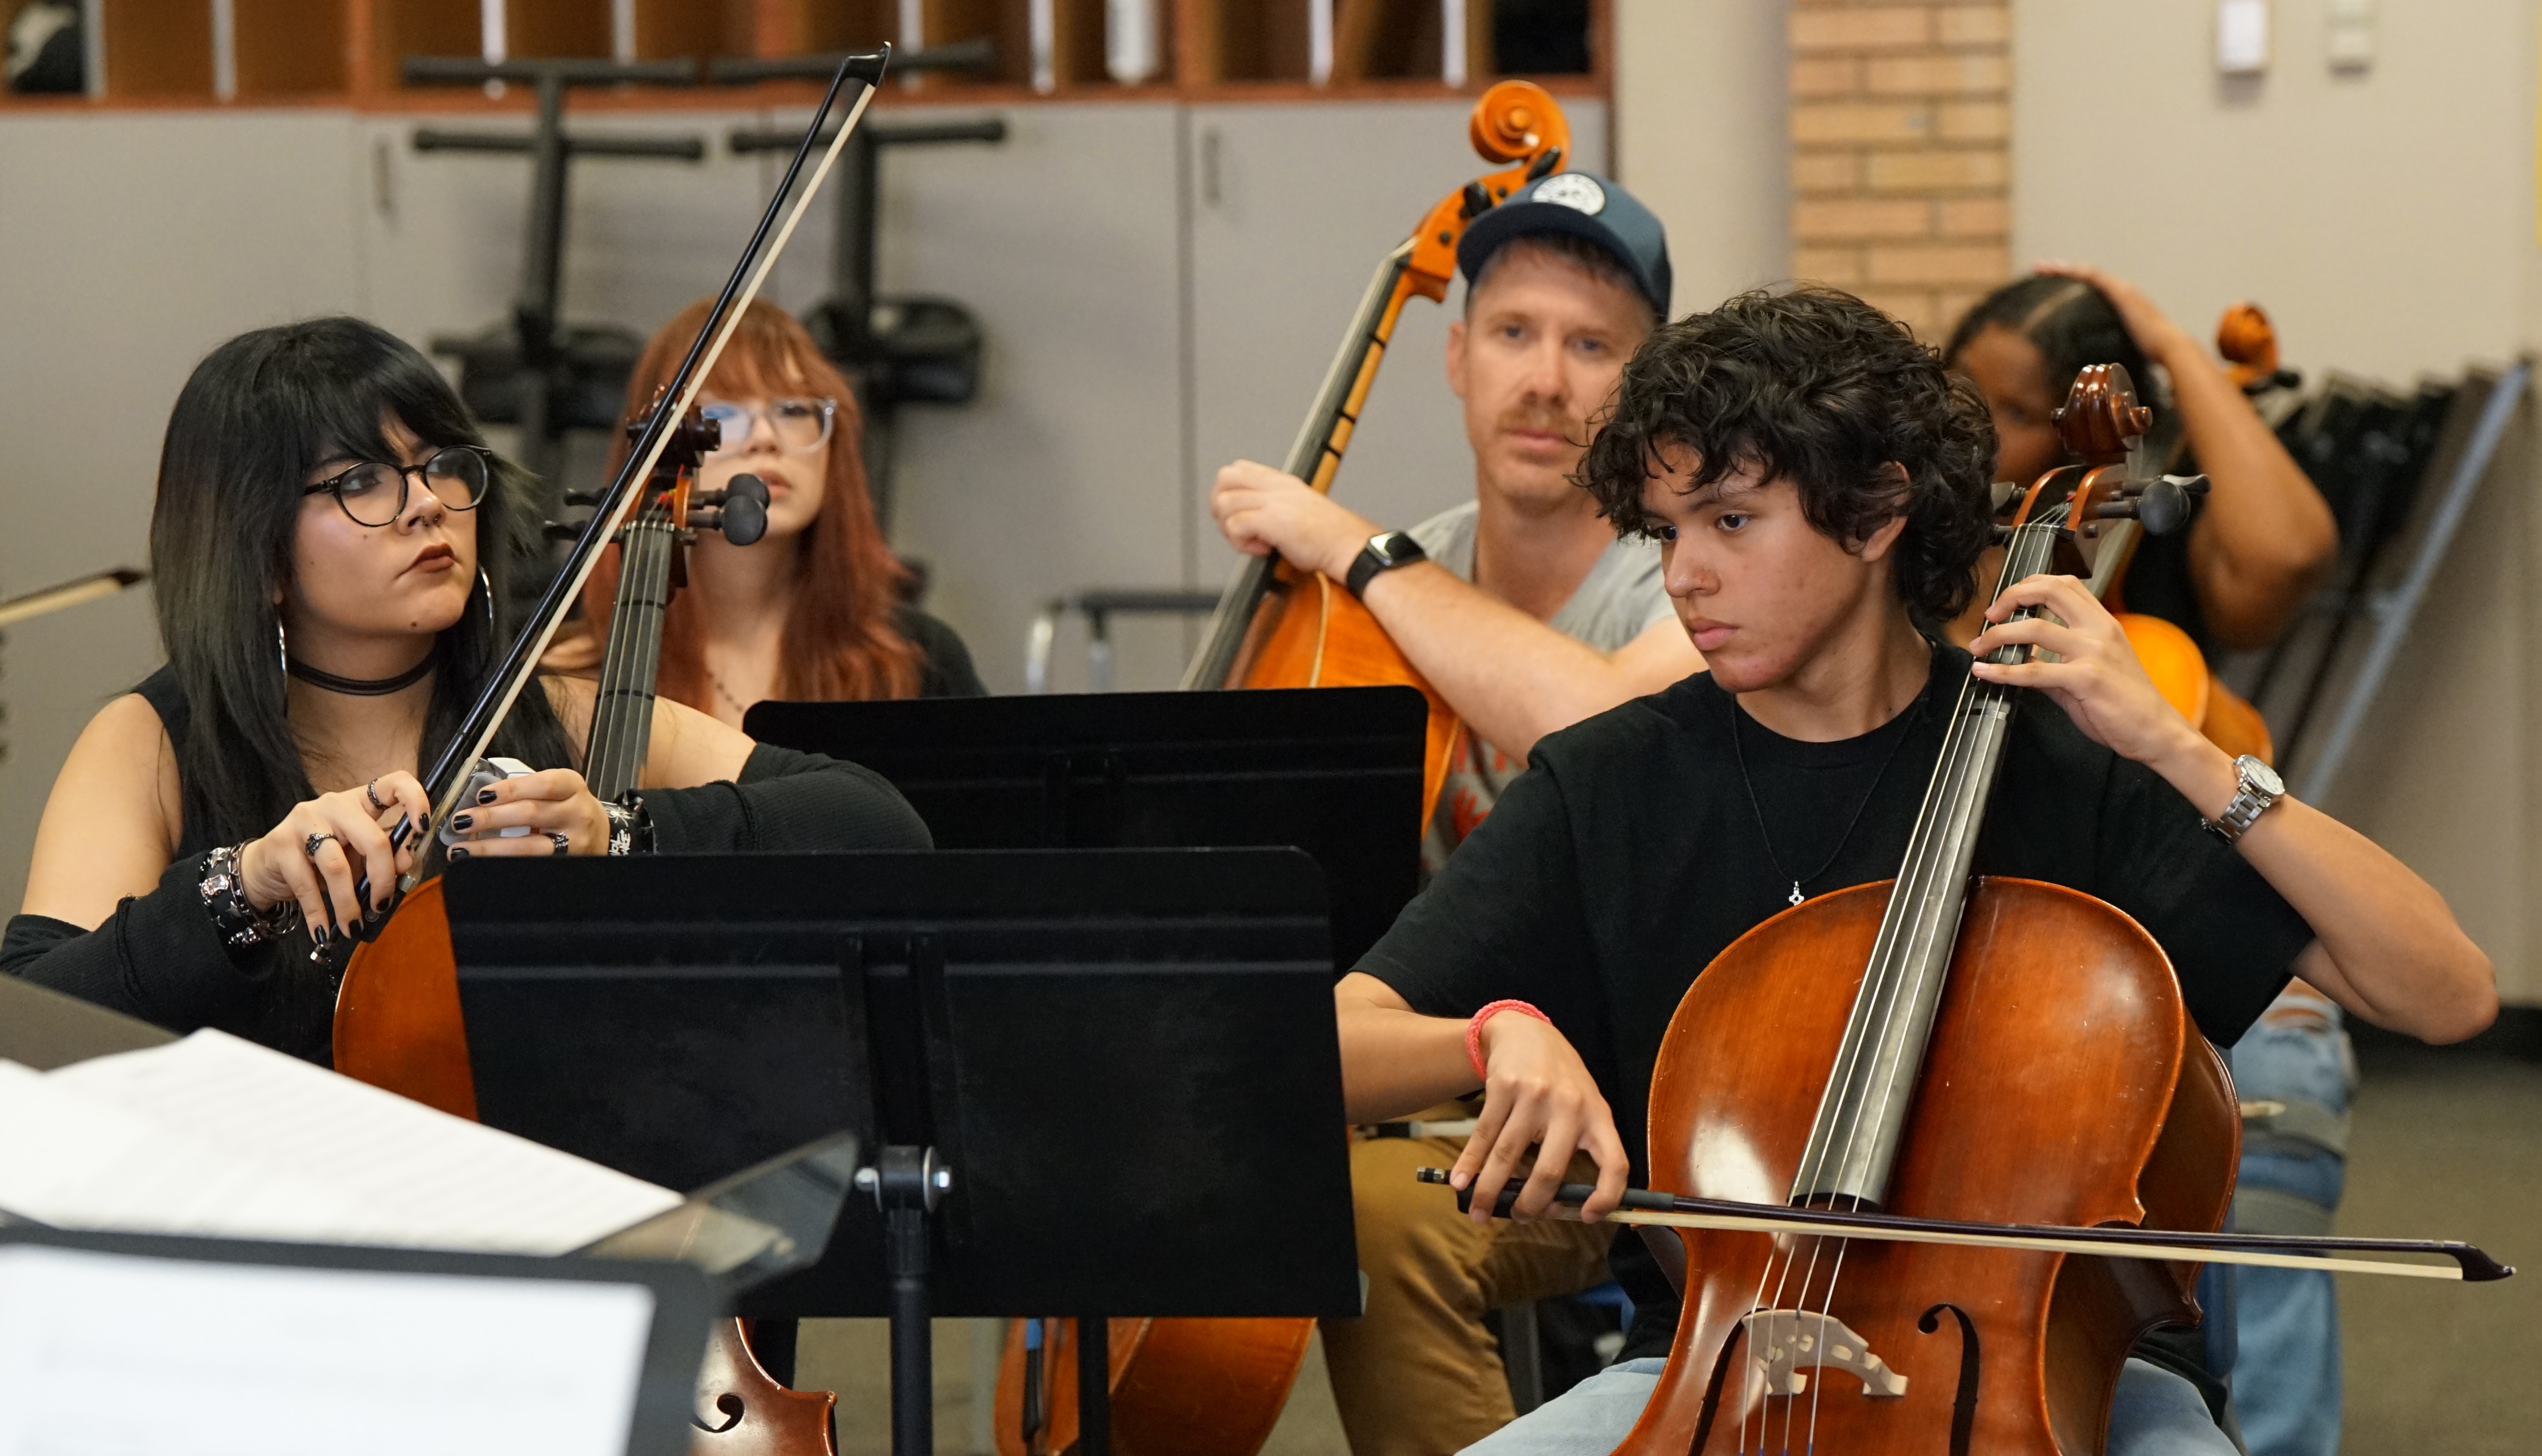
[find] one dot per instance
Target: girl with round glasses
(815, 609)
(333, 548)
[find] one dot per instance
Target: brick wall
(1901, 161)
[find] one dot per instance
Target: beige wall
(1699, 138)
(2386, 221)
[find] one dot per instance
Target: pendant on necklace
(1796, 892)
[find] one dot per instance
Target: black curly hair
(1818, 387)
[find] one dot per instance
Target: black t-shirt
(1629, 855)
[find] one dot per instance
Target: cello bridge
(1785, 1345)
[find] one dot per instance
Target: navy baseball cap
(1583, 206)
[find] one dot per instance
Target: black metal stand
(1093, 1386)
(906, 1185)
(1127, 1055)
(532, 372)
(899, 351)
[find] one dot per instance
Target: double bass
(1204, 1387)
(398, 1024)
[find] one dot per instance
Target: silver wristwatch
(2259, 787)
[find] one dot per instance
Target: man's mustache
(1551, 421)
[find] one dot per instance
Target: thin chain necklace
(737, 704)
(1905, 731)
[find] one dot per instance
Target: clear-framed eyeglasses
(800, 425)
(374, 492)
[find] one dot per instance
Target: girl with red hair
(813, 609)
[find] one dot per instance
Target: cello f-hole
(1964, 1409)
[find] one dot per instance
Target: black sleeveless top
(168, 700)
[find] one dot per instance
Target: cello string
(608, 721)
(1965, 747)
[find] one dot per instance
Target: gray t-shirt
(1616, 602)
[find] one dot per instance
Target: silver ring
(371, 791)
(309, 846)
(563, 843)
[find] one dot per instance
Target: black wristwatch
(1384, 552)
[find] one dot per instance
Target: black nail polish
(318, 934)
(485, 796)
(382, 907)
(462, 822)
(458, 854)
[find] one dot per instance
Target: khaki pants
(1417, 1374)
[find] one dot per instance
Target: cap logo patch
(1574, 191)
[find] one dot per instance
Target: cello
(398, 1024)
(1214, 1387)
(1277, 627)
(1979, 1061)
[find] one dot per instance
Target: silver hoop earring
(488, 588)
(282, 651)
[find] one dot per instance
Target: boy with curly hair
(1818, 485)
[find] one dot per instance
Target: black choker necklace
(358, 687)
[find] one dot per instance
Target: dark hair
(1820, 389)
(1582, 254)
(257, 416)
(2072, 323)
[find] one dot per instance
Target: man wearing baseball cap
(1527, 615)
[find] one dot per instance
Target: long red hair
(840, 640)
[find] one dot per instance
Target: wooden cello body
(1203, 1387)
(1991, 1051)
(2112, 1110)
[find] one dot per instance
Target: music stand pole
(907, 1182)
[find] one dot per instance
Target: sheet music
(109, 1354)
(217, 1135)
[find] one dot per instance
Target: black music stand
(1087, 1076)
(1336, 772)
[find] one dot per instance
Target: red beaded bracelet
(1474, 1032)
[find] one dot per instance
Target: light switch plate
(2241, 36)
(2349, 34)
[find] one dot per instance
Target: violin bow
(450, 774)
(1649, 1208)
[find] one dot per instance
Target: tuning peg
(749, 488)
(2165, 504)
(743, 519)
(582, 497)
(561, 531)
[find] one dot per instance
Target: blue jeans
(2285, 1370)
(2156, 1414)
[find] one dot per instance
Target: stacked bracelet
(1474, 1032)
(235, 919)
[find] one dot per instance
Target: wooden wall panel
(158, 48)
(293, 47)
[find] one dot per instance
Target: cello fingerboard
(1862, 1115)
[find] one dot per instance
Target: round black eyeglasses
(374, 493)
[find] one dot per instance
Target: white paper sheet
(105, 1354)
(217, 1135)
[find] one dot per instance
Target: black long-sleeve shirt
(158, 958)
